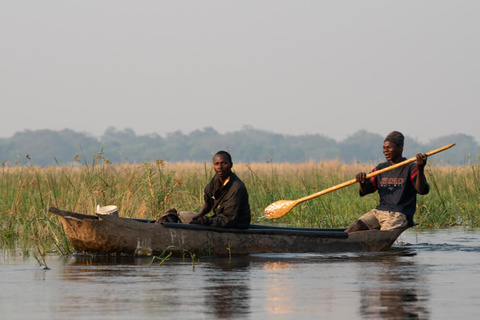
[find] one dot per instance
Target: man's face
(392, 152)
(222, 166)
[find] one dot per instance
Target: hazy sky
(291, 67)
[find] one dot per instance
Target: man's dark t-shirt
(396, 189)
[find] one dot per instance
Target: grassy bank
(147, 190)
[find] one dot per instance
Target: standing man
(226, 195)
(397, 189)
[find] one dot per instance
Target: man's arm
(421, 183)
(206, 208)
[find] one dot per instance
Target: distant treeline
(47, 147)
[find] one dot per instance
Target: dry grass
(146, 190)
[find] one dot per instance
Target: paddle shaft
(347, 183)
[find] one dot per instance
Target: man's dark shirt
(229, 202)
(396, 189)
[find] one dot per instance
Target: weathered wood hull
(110, 234)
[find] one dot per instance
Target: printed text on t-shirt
(391, 181)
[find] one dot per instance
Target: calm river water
(431, 274)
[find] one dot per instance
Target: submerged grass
(146, 190)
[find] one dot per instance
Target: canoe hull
(110, 234)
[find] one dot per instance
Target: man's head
(393, 147)
(395, 137)
(222, 164)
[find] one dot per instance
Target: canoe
(111, 234)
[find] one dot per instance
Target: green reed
(146, 190)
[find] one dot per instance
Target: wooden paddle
(282, 207)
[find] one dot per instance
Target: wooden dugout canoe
(111, 234)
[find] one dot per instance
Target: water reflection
(106, 260)
(431, 275)
(119, 284)
(279, 297)
(393, 287)
(389, 285)
(218, 287)
(227, 293)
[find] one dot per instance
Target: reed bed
(146, 190)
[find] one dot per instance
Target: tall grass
(146, 190)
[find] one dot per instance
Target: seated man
(226, 195)
(397, 189)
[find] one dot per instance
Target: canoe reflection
(393, 287)
(106, 260)
(219, 288)
(387, 285)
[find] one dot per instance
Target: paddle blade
(279, 208)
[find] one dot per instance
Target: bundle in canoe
(111, 234)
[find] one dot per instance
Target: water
(427, 275)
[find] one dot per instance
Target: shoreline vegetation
(146, 190)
